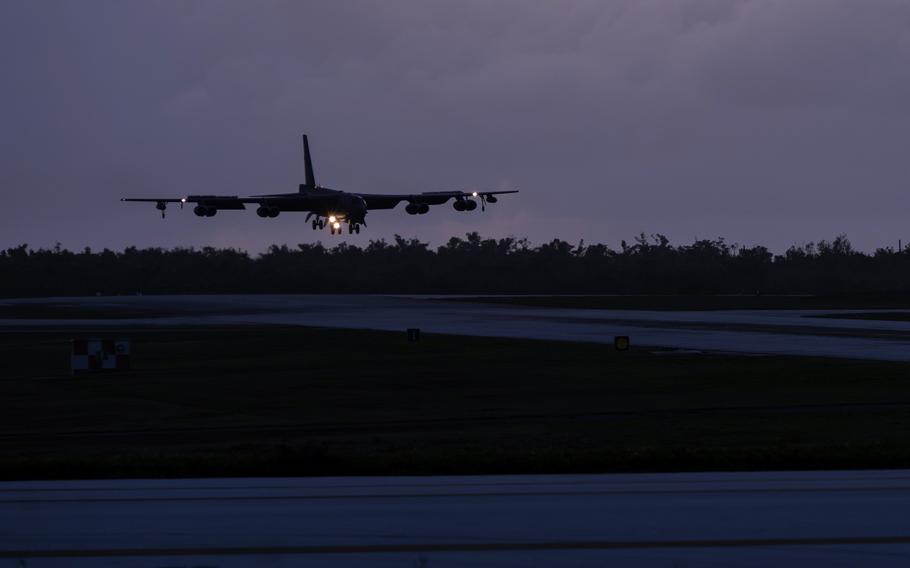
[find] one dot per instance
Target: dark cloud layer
(764, 121)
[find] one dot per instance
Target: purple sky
(763, 121)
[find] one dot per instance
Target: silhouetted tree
(469, 264)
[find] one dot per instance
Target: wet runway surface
(845, 518)
(780, 332)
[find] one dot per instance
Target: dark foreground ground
(112, 307)
(302, 401)
(684, 302)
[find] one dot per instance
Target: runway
(846, 518)
(778, 332)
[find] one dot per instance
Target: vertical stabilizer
(308, 167)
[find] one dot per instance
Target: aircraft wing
(221, 201)
(479, 192)
(388, 201)
(309, 201)
(211, 202)
(156, 199)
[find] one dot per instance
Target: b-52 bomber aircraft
(328, 207)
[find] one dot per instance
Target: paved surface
(787, 332)
(744, 519)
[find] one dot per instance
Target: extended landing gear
(335, 225)
(336, 228)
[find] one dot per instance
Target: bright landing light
(474, 194)
(337, 225)
(332, 219)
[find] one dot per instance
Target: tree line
(476, 265)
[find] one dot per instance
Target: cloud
(761, 120)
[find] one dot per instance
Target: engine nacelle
(264, 211)
(412, 208)
(491, 199)
(203, 211)
(470, 205)
(458, 205)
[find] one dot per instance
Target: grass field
(707, 302)
(103, 309)
(299, 401)
(875, 316)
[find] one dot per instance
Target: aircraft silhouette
(328, 207)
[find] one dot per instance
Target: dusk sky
(761, 121)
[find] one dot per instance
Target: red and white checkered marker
(100, 355)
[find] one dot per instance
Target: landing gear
(335, 224)
(318, 224)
